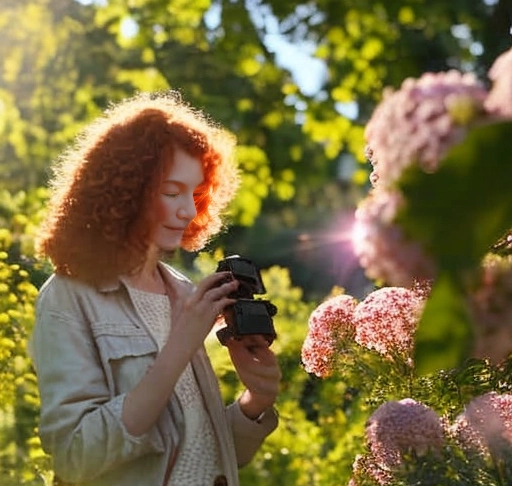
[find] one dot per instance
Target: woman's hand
(193, 318)
(258, 370)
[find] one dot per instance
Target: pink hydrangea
(382, 248)
(486, 424)
(418, 123)
(499, 100)
(400, 427)
(330, 324)
(386, 321)
(491, 305)
(466, 437)
(365, 466)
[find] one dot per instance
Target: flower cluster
(330, 326)
(485, 426)
(499, 101)
(403, 427)
(365, 467)
(416, 125)
(398, 431)
(385, 321)
(383, 250)
(406, 431)
(491, 304)
(426, 116)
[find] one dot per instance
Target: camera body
(247, 316)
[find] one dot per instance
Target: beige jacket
(90, 347)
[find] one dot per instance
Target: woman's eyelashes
(196, 195)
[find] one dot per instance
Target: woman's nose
(188, 209)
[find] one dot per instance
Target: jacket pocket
(126, 353)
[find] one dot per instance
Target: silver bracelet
(261, 416)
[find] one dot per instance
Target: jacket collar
(168, 273)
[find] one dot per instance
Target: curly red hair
(100, 217)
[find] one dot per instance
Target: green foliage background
(62, 61)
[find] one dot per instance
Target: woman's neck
(149, 278)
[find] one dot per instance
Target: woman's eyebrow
(173, 181)
(182, 183)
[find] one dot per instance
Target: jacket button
(220, 481)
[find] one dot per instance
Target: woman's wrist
(254, 406)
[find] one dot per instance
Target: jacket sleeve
(80, 421)
(249, 434)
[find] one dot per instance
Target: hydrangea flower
(468, 438)
(402, 427)
(418, 123)
(386, 321)
(499, 100)
(382, 248)
(330, 324)
(491, 304)
(365, 466)
(486, 425)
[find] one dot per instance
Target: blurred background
(296, 82)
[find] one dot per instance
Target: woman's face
(175, 204)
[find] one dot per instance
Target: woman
(128, 396)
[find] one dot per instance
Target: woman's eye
(172, 195)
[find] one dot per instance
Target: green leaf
(459, 211)
(445, 330)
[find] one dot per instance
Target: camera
(247, 316)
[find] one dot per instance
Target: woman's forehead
(185, 169)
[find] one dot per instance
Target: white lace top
(198, 461)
